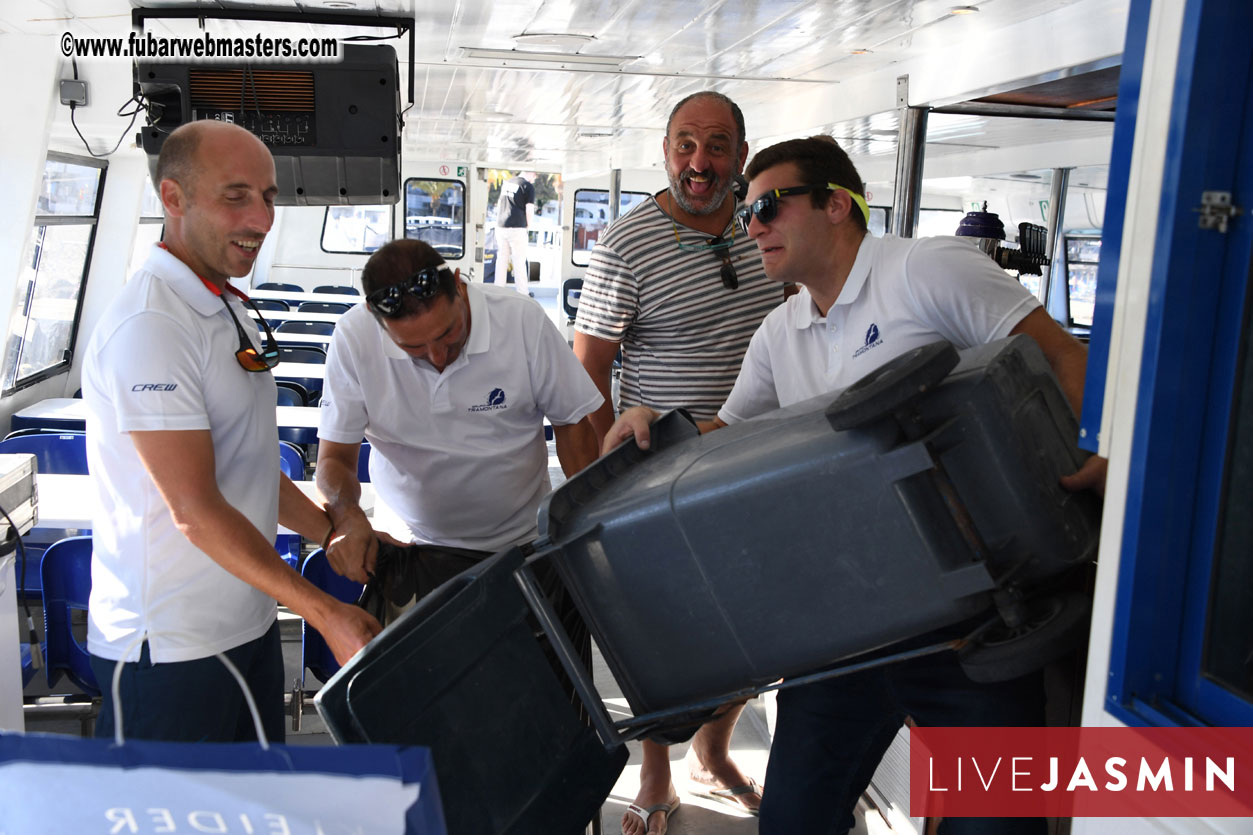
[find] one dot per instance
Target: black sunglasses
(423, 285)
(726, 272)
(766, 207)
(249, 358)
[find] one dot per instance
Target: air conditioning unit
(333, 128)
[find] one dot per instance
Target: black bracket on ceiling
(402, 25)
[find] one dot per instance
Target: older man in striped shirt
(674, 286)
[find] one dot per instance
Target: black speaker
(333, 128)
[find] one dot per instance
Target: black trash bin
(714, 565)
(786, 543)
(463, 673)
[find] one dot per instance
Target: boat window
(933, 222)
(356, 230)
(150, 229)
(1083, 252)
(48, 297)
(591, 216)
(880, 216)
(435, 213)
(1227, 653)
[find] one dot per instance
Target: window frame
(41, 220)
(1193, 352)
(574, 215)
(1067, 262)
(326, 215)
(464, 210)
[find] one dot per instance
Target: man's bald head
(178, 158)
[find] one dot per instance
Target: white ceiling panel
(788, 63)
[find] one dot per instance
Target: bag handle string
(116, 689)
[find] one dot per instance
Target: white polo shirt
(901, 293)
(459, 456)
(163, 358)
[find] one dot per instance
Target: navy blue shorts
(197, 701)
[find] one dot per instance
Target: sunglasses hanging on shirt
(720, 247)
(248, 357)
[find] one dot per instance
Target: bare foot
(721, 779)
(658, 820)
(656, 792)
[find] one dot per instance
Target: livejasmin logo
(1022, 771)
(1081, 772)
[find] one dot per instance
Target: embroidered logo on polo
(495, 402)
(872, 340)
(154, 387)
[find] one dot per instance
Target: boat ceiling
(796, 67)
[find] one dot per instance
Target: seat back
(337, 288)
(270, 304)
(302, 353)
(66, 575)
(291, 461)
(62, 452)
(324, 307)
(298, 391)
(288, 396)
(571, 289)
(316, 656)
(279, 286)
(363, 463)
(306, 326)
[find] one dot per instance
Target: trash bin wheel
(1055, 625)
(892, 385)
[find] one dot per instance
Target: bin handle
(566, 654)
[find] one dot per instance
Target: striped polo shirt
(683, 333)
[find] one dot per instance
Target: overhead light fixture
(557, 39)
(595, 134)
(859, 52)
(963, 10)
(527, 59)
(340, 4)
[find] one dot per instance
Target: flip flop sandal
(730, 796)
(644, 814)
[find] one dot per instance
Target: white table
(302, 339)
(285, 296)
(300, 370)
(290, 315)
(68, 502)
(53, 413)
(298, 424)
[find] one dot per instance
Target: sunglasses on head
(422, 285)
(249, 358)
(766, 207)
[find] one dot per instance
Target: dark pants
(831, 735)
(197, 701)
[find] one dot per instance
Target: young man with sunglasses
(450, 383)
(182, 442)
(865, 301)
(680, 290)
